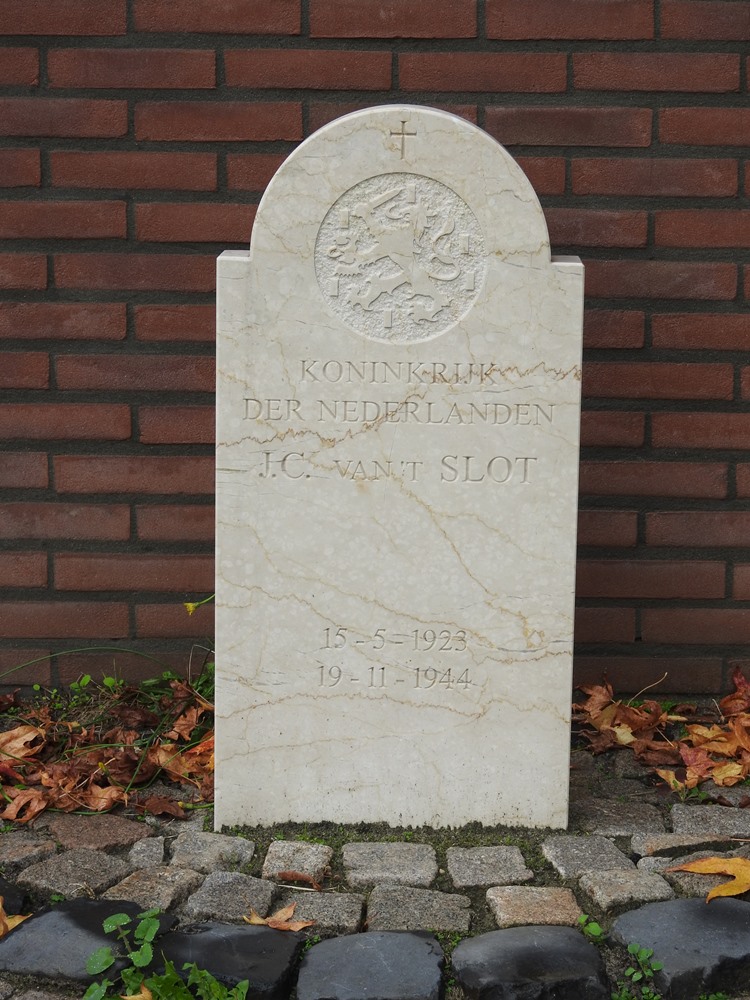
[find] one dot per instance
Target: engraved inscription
(400, 257)
(436, 642)
(426, 640)
(378, 677)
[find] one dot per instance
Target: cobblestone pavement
(410, 915)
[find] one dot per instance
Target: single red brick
(320, 69)
(392, 19)
(702, 529)
(700, 430)
(23, 569)
(25, 666)
(132, 68)
(630, 674)
(538, 126)
(20, 168)
(705, 19)
(185, 222)
(145, 373)
(23, 470)
(743, 479)
(133, 474)
(574, 19)
(251, 171)
(516, 72)
(699, 626)
(745, 383)
(63, 320)
(660, 279)
(654, 177)
(596, 228)
(719, 331)
(546, 173)
(64, 620)
(23, 270)
(608, 528)
(649, 578)
(111, 571)
(705, 126)
(19, 67)
(69, 521)
(228, 17)
(175, 323)
(62, 219)
(657, 380)
(701, 227)
(163, 272)
(320, 113)
(177, 424)
(62, 17)
(217, 121)
(702, 480)
(741, 583)
(132, 171)
(65, 421)
(24, 371)
(613, 328)
(605, 429)
(175, 523)
(66, 117)
(710, 72)
(173, 621)
(605, 625)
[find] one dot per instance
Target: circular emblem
(400, 258)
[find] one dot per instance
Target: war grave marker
(397, 464)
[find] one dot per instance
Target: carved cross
(403, 134)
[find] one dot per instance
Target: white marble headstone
(397, 463)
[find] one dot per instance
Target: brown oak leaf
(280, 921)
(738, 868)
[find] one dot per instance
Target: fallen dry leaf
(186, 723)
(7, 923)
(738, 868)
(280, 921)
(292, 876)
(14, 743)
(144, 994)
(27, 803)
(739, 700)
(160, 805)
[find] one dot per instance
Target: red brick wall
(136, 137)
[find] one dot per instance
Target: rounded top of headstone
(401, 213)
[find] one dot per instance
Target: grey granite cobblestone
(402, 908)
(74, 873)
(230, 896)
(368, 864)
(296, 856)
(573, 856)
(207, 852)
(164, 887)
(21, 848)
(486, 866)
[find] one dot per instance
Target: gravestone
(397, 460)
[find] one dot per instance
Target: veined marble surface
(397, 461)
